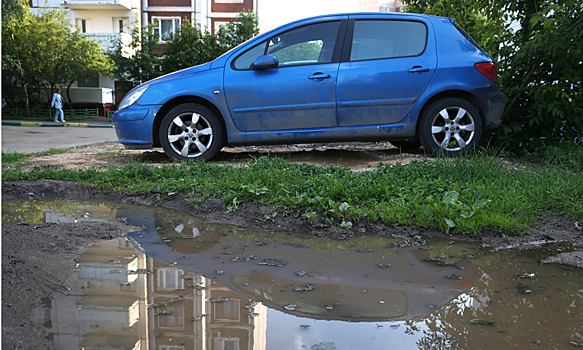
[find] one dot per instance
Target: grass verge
(466, 195)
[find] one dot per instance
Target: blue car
(404, 78)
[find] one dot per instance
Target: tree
(141, 60)
(40, 52)
(537, 45)
(188, 47)
(84, 59)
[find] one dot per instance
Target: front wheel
(451, 127)
(191, 132)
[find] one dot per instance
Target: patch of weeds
(473, 193)
(9, 158)
(234, 205)
(451, 209)
(271, 216)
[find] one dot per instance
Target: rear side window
(376, 39)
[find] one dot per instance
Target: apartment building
(106, 21)
(167, 15)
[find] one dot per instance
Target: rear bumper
(493, 102)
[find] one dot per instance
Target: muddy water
(178, 282)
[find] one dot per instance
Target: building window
(227, 310)
(171, 317)
(165, 26)
(121, 24)
(84, 25)
(169, 279)
(227, 344)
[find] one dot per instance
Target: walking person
(57, 103)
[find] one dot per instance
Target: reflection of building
(381, 6)
(106, 307)
(186, 315)
(121, 299)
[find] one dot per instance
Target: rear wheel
(191, 132)
(451, 127)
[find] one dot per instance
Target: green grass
(13, 158)
(466, 195)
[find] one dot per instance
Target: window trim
(350, 35)
(159, 27)
(338, 45)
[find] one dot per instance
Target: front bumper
(134, 126)
(493, 102)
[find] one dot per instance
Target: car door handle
(418, 69)
(317, 76)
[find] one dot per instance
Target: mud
(36, 258)
(359, 156)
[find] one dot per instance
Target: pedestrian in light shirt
(57, 103)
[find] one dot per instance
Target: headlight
(132, 97)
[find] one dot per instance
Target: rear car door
(300, 93)
(386, 65)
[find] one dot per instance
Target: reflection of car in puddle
(318, 278)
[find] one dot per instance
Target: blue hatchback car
(405, 78)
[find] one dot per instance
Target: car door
(298, 93)
(386, 67)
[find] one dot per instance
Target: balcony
(98, 4)
(108, 40)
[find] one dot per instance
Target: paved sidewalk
(30, 137)
(89, 123)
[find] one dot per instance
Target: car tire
(191, 132)
(451, 127)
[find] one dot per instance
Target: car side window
(376, 39)
(305, 45)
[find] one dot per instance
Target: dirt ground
(36, 258)
(359, 156)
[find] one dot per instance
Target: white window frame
(159, 26)
(175, 273)
(221, 342)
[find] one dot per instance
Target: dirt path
(355, 155)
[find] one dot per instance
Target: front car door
(386, 66)
(300, 93)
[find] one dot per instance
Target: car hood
(181, 73)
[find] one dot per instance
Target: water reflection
(195, 285)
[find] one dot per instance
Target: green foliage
(39, 52)
(13, 9)
(141, 60)
(537, 45)
(188, 47)
(467, 195)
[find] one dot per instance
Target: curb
(81, 125)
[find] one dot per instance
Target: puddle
(180, 283)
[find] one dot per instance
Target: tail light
(489, 69)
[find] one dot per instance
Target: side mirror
(265, 62)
